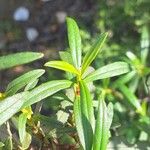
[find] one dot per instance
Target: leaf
(11, 105)
(22, 126)
(51, 122)
(87, 103)
(1, 144)
(133, 85)
(145, 43)
(74, 42)
(62, 116)
(21, 81)
(46, 89)
(66, 56)
(8, 145)
(78, 120)
(107, 71)
(132, 99)
(66, 139)
(84, 116)
(62, 65)
(103, 122)
(124, 79)
(110, 114)
(135, 61)
(31, 85)
(90, 55)
(148, 82)
(16, 59)
(99, 127)
(27, 141)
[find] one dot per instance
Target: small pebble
(61, 16)
(31, 34)
(21, 14)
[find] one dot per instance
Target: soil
(46, 18)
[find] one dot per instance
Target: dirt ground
(47, 17)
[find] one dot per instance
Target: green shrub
(79, 112)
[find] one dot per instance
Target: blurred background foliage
(127, 22)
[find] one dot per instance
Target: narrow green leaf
(103, 123)
(27, 141)
(18, 59)
(110, 114)
(62, 65)
(132, 99)
(8, 145)
(145, 43)
(74, 42)
(134, 60)
(46, 89)
(78, 120)
(106, 124)
(23, 80)
(87, 103)
(84, 116)
(147, 82)
(107, 71)
(31, 85)
(124, 79)
(22, 126)
(86, 110)
(66, 56)
(105, 130)
(90, 55)
(1, 144)
(98, 134)
(11, 105)
(133, 85)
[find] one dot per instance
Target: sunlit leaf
(12, 60)
(124, 79)
(11, 105)
(78, 121)
(74, 42)
(66, 56)
(23, 80)
(103, 122)
(135, 61)
(145, 43)
(27, 141)
(62, 116)
(31, 85)
(1, 144)
(90, 55)
(84, 116)
(108, 71)
(132, 99)
(133, 85)
(62, 65)
(46, 89)
(22, 126)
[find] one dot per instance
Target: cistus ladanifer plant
(92, 122)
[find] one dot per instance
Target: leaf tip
(41, 55)
(46, 64)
